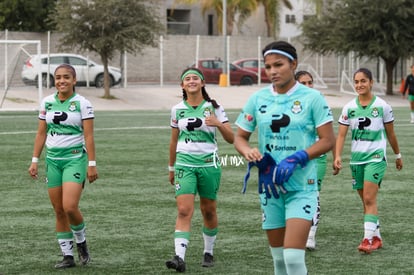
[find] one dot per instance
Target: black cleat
(67, 262)
(207, 260)
(176, 263)
(83, 253)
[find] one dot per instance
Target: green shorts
(372, 172)
(66, 170)
(202, 180)
(294, 204)
(411, 97)
(321, 164)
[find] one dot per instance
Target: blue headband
(279, 52)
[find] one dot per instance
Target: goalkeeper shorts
(293, 204)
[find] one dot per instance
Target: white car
(94, 73)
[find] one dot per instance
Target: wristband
(171, 168)
(398, 156)
(92, 163)
(35, 160)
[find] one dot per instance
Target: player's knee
(295, 261)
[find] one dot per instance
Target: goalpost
(7, 68)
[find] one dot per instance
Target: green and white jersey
(197, 144)
(369, 139)
(65, 138)
(286, 124)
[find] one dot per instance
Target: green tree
(373, 29)
(23, 15)
(107, 27)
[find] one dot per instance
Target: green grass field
(130, 211)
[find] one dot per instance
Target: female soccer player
(372, 122)
(66, 128)
(193, 165)
(305, 78)
(409, 85)
(288, 116)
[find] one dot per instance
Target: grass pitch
(130, 211)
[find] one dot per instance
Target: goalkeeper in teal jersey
(288, 116)
(66, 128)
(193, 163)
(371, 121)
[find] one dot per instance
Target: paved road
(154, 97)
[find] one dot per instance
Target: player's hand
(336, 166)
(212, 121)
(286, 167)
(399, 164)
(92, 174)
(33, 170)
(171, 177)
(267, 171)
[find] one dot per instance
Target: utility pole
(223, 77)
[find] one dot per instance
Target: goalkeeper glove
(287, 166)
(267, 172)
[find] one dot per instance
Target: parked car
(252, 65)
(212, 68)
(85, 70)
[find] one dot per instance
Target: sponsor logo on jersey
(248, 117)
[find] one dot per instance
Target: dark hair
(365, 71)
(68, 67)
(203, 89)
(301, 73)
(281, 46)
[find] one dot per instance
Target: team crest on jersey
(297, 107)
(375, 112)
(207, 112)
(72, 106)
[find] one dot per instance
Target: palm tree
(242, 8)
(271, 10)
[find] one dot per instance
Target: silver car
(86, 70)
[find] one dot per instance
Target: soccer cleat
(83, 253)
(67, 262)
(176, 263)
(207, 260)
(311, 243)
(365, 246)
(376, 243)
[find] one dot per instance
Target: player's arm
(325, 143)
(224, 127)
(227, 132)
(392, 139)
(39, 143)
(173, 149)
(241, 143)
(339, 145)
(90, 148)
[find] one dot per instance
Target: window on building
(178, 21)
(290, 18)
